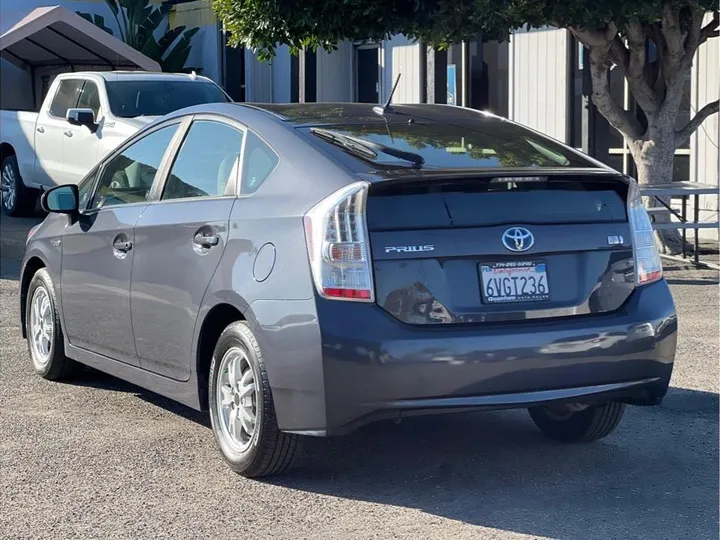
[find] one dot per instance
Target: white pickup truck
(83, 117)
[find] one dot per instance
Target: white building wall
(258, 79)
(538, 81)
(281, 71)
(401, 56)
(335, 73)
(704, 154)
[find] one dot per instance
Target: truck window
(90, 98)
(66, 97)
(156, 97)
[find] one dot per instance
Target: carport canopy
(54, 36)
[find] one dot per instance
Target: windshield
(491, 143)
(157, 98)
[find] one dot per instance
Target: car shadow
(647, 480)
(93, 378)
(680, 281)
(655, 477)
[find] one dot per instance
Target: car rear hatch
(498, 248)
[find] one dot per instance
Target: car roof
(313, 114)
(144, 75)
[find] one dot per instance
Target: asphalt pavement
(100, 458)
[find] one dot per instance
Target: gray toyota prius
(301, 270)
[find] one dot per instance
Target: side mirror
(81, 117)
(61, 199)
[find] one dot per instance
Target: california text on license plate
(514, 281)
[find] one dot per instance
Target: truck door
(49, 132)
(80, 143)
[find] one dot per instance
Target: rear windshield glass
(490, 143)
(129, 99)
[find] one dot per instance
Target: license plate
(514, 281)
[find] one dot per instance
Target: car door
(179, 242)
(98, 248)
(80, 143)
(50, 131)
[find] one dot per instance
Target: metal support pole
(684, 220)
(697, 231)
(302, 68)
(465, 73)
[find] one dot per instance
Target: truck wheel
(17, 199)
(44, 334)
(242, 413)
(573, 424)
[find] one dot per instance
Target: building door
(368, 74)
(234, 66)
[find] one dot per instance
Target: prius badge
(409, 249)
(518, 239)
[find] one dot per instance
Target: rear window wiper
(365, 149)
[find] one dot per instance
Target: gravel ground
(99, 458)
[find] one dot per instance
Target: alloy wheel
(9, 191)
(41, 326)
(237, 398)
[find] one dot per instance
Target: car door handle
(122, 245)
(68, 133)
(206, 240)
(41, 129)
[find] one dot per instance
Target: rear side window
(206, 163)
(66, 97)
(259, 161)
(90, 98)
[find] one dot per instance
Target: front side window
(132, 98)
(90, 98)
(85, 189)
(128, 177)
(66, 97)
(259, 161)
(206, 162)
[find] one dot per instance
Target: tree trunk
(654, 163)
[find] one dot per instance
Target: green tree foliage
(139, 22)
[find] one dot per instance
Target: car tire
(267, 450)
(589, 424)
(17, 199)
(44, 332)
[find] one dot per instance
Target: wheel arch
(31, 267)
(217, 318)
(6, 150)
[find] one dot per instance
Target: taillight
(648, 267)
(337, 243)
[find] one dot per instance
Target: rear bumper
(377, 367)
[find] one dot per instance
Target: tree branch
(618, 117)
(672, 33)
(683, 135)
(710, 29)
(635, 72)
(692, 40)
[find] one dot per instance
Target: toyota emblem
(518, 239)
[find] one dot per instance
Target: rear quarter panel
(275, 292)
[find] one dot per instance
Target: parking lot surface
(100, 458)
